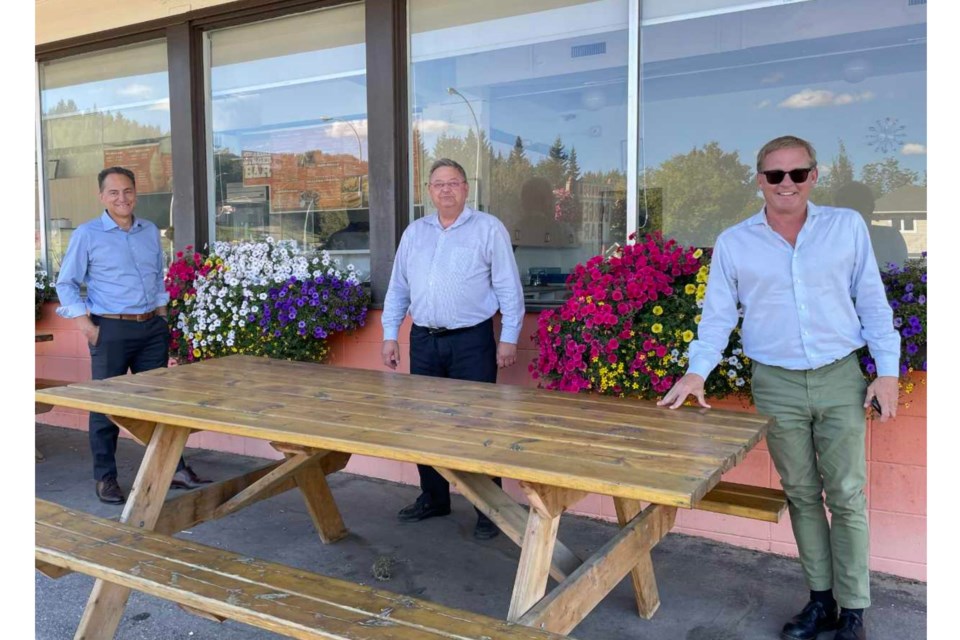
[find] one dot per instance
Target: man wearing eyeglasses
(452, 272)
(807, 282)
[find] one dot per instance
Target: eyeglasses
(799, 176)
(453, 184)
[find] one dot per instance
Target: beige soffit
(63, 19)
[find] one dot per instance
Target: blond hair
(785, 142)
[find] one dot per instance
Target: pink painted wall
(896, 453)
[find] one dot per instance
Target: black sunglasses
(799, 176)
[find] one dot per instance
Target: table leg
(107, 601)
(546, 506)
(642, 576)
(564, 607)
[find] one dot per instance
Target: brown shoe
(186, 478)
(108, 491)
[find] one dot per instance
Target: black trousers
(123, 345)
(463, 354)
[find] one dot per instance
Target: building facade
(578, 123)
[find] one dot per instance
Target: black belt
(444, 331)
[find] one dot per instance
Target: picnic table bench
(560, 447)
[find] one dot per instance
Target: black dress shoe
(850, 627)
(421, 510)
(186, 478)
(485, 530)
(814, 619)
(108, 491)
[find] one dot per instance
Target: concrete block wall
(896, 452)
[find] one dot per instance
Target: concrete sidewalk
(709, 590)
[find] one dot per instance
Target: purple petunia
(912, 349)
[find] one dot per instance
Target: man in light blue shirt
(452, 271)
(118, 257)
(807, 282)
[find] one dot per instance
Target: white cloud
(440, 126)
(813, 98)
(341, 128)
(772, 78)
(135, 91)
(914, 149)
(160, 105)
(763, 104)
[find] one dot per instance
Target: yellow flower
(657, 328)
(698, 253)
(658, 310)
(690, 289)
(696, 318)
(196, 353)
(687, 335)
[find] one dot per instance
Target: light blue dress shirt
(455, 277)
(123, 270)
(803, 307)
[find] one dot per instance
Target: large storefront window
(98, 111)
(531, 98)
(847, 75)
(288, 130)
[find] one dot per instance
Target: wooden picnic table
(561, 447)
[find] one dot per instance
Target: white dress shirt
(455, 277)
(804, 306)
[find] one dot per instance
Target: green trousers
(817, 446)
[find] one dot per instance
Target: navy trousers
(461, 354)
(123, 345)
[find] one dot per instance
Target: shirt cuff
(72, 310)
(700, 367)
(888, 367)
(510, 336)
(391, 333)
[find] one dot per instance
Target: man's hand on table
(886, 389)
(390, 353)
(690, 384)
(506, 354)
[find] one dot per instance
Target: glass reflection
(848, 75)
(97, 111)
(531, 98)
(289, 131)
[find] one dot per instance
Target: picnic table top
(612, 446)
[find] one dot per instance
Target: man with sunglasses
(452, 272)
(809, 291)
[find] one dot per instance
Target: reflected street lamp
(359, 150)
(476, 178)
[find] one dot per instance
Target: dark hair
(120, 170)
(785, 142)
(856, 196)
(447, 162)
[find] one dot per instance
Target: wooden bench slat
(757, 503)
(271, 596)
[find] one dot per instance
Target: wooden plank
(288, 469)
(141, 430)
(320, 504)
(206, 615)
(509, 516)
(107, 601)
(614, 477)
(641, 576)
(193, 507)
(51, 570)
(550, 501)
(534, 567)
(564, 607)
(282, 599)
(757, 503)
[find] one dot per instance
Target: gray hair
(447, 162)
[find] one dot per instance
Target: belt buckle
(436, 331)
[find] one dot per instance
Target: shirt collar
(761, 217)
(464, 216)
(109, 224)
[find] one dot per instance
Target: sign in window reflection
(289, 133)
